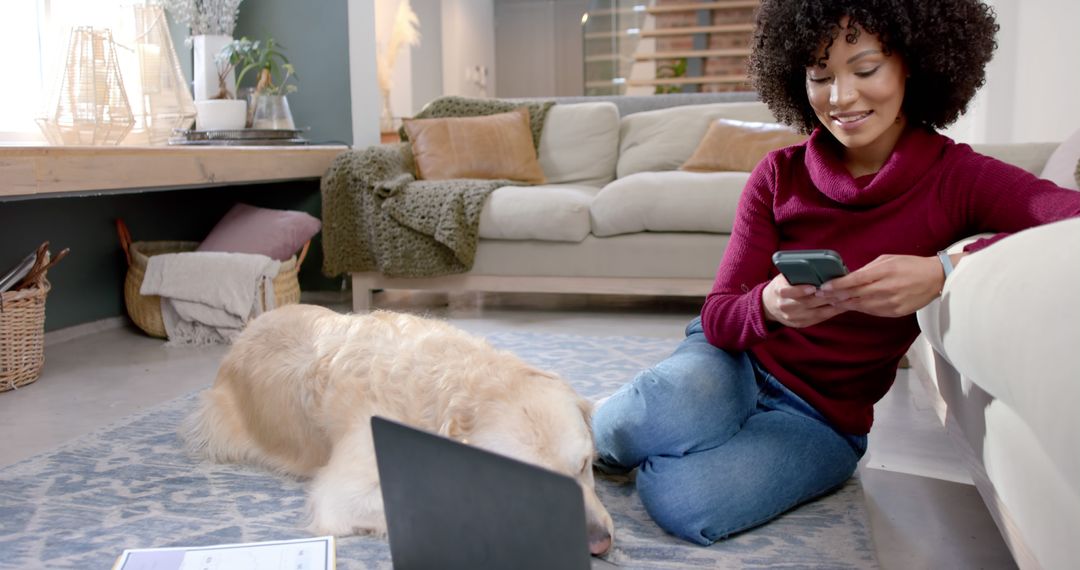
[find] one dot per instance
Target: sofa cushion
(549, 212)
(1005, 322)
(616, 262)
(731, 145)
(993, 301)
(580, 143)
(490, 147)
(663, 139)
(673, 201)
(1061, 167)
(1032, 157)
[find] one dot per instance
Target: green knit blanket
(377, 216)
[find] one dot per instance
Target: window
(22, 93)
(34, 44)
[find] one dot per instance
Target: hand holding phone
(809, 266)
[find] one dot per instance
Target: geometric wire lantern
(165, 102)
(91, 105)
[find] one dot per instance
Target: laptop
(451, 506)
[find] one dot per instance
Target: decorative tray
(252, 137)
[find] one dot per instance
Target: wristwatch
(946, 262)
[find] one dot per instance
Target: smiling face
(857, 90)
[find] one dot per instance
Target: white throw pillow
(549, 212)
(1061, 166)
(673, 201)
(580, 143)
(663, 139)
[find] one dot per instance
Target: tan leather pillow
(491, 147)
(731, 145)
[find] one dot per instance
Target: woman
(767, 402)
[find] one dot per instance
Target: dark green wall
(88, 284)
(316, 40)
(179, 35)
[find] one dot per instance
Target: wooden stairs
(681, 46)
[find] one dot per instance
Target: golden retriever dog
(297, 390)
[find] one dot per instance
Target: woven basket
(22, 334)
(145, 310)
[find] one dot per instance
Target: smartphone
(809, 266)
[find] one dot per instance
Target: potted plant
(222, 110)
(234, 54)
(676, 69)
(273, 72)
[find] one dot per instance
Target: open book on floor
(301, 554)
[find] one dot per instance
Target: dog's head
(549, 425)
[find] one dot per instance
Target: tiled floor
(924, 511)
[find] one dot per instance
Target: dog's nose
(599, 542)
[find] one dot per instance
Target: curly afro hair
(946, 45)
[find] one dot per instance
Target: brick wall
(735, 65)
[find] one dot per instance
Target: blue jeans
(720, 444)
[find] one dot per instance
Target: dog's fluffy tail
(214, 432)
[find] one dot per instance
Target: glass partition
(611, 31)
(645, 47)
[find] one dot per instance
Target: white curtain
(34, 44)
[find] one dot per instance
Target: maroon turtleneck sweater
(930, 193)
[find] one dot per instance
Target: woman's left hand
(889, 286)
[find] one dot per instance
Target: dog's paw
(346, 528)
(340, 520)
(379, 533)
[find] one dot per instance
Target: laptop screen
(449, 506)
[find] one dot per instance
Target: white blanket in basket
(207, 297)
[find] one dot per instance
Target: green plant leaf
(267, 55)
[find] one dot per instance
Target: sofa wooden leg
(362, 288)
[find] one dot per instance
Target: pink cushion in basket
(277, 234)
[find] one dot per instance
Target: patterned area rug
(130, 485)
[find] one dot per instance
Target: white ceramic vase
(220, 114)
(204, 72)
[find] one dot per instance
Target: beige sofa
(1002, 348)
(616, 215)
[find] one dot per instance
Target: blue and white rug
(131, 485)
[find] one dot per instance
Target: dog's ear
(548, 376)
(584, 405)
(459, 421)
(586, 408)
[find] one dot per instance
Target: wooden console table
(30, 171)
